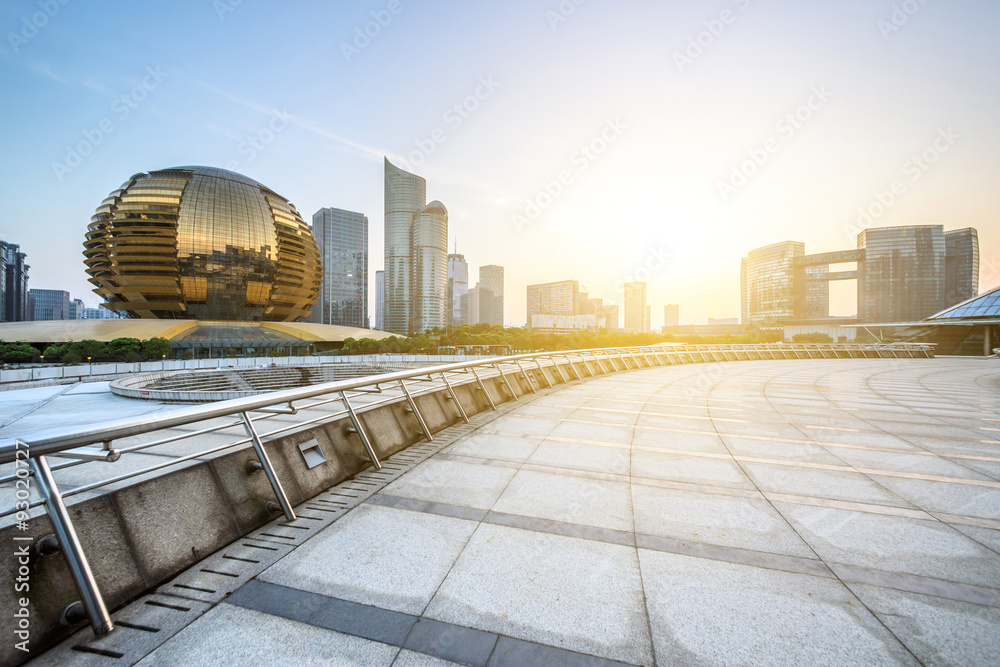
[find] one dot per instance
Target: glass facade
(380, 300)
(51, 304)
(429, 267)
(768, 282)
(202, 243)
(904, 272)
(405, 196)
(491, 294)
(458, 290)
(13, 284)
(557, 298)
(987, 305)
(961, 265)
(342, 237)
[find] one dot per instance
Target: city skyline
(741, 144)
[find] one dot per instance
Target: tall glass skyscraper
(961, 266)
(904, 272)
(429, 267)
(380, 300)
(458, 290)
(342, 237)
(13, 284)
(768, 282)
(405, 196)
(491, 294)
(416, 255)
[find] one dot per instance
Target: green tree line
(120, 349)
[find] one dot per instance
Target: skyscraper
(961, 266)
(50, 304)
(671, 315)
(76, 308)
(13, 284)
(491, 294)
(635, 307)
(768, 282)
(560, 298)
(380, 300)
(342, 237)
(474, 304)
(458, 290)
(429, 267)
(904, 272)
(405, 196)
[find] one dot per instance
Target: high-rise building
(76, 308)
(13, 284)
(50, 304)
(635, 307)
(904, 272)
(768, 282)
(458, 290)
(416, 254)
(342, 237)
(474, 304)
(99, 313)
(429, 268)
(491, 294)
(671, 315)
(380, 300)
(556, 298)
(961, 266)
(648, 320)
(608, 313)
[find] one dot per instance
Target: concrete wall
(142, 535)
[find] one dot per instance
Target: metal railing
(76, 444)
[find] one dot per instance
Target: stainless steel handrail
(29, 452)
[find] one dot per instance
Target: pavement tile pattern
(821, 512)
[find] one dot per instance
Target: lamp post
(163, 363)
(90, 364)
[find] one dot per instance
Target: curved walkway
(788, 512)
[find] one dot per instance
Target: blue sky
(595, 141)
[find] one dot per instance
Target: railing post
(416, 411)
(454, 398)
(361, 431)
(265, 463)
(483, 387)
(527, 379)
(541, 372)
(503, 376)
(72, 550)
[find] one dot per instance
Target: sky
(594, 140)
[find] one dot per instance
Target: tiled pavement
(788, 512)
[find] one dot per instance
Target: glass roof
(984, 305)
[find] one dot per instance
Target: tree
(155, 348)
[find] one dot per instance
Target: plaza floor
(824, 512)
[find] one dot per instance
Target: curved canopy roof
(985, 306)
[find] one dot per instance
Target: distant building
(491, 294)
(429, 268)
(608, 314)
(648, 320)
(13, 284)
(903, 274)
(99, 313)
(380, 300)
(671, 315)
(342, 237)
(723, 321)
(458, 290)
(76, 308)
(635, 307)
(562, 297)
(50, 304)
(563, 324)
(473, 299)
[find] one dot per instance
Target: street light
(91, 365)
(163, 363)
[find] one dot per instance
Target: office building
(648, 320)
(556, 298)
(429, 268)
(76, 308)
(635, 307)
(671, 315)
(99, 313)
(902, 274)
(13, 284)
(380, 300)
(474, 293)
(416, 255)
(50, 304)
(458, 290)
(342, 238)
(202, 243)
(491, 294)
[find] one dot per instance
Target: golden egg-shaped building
(202, 243)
